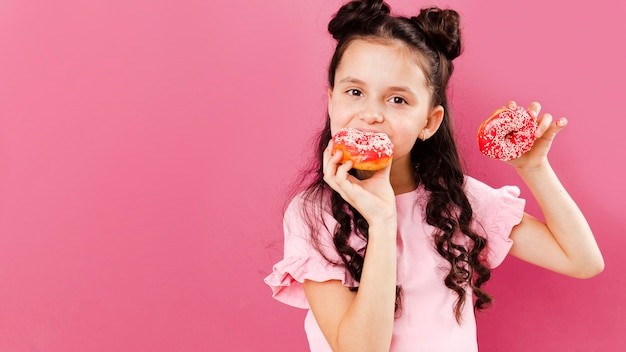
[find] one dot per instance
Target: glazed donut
(507, 133)
(368, 150)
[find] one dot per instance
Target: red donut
(368, 150)
(507, 133)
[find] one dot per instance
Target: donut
(367, 150)
(507, 133)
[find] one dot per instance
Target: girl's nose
(371, 113)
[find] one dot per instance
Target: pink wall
(146, 148)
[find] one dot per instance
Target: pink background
(146, 150)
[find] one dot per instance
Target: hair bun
(358, 17)
(441, 29)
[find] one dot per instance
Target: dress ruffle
(288, 275)
(507, 213)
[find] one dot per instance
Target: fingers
(335, 173)
(327, 164)
(352, 187)
(534, 109)
(549, 129)
(511, 104)
(543, 123)
(331, 164)
(546, 126)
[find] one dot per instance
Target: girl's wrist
(383, 225)
(534, 168)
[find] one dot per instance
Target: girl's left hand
(547, 129)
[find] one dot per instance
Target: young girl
(396, 259)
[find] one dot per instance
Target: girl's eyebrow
(403, 89)
(357, 81)
(352, 80)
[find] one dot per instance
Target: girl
(396, 259)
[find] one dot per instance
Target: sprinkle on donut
(368, 150)
(507, 133)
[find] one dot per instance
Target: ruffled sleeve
(302, 260)
(288, 275)
(496, 211)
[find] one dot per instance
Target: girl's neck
(404, 186)
(402, 177)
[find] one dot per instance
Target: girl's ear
(434, 121)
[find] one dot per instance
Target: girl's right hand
(373, 197)
(361, 320)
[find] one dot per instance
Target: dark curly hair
(434, 36)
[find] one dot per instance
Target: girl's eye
(398, 100)
(354, 92)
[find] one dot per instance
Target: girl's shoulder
(310, 209)
(495, 211)
(486, 199)
(309, 200)
(476, 185)
(478, 190)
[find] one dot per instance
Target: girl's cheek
(341, 109)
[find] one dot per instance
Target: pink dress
(427, 321)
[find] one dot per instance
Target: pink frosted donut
(368, 150)
(507, 133)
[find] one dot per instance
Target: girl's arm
(362, 320)
(565, 243)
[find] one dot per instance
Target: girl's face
(380, 86)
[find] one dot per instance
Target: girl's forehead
(368, 45)
(376, 56)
